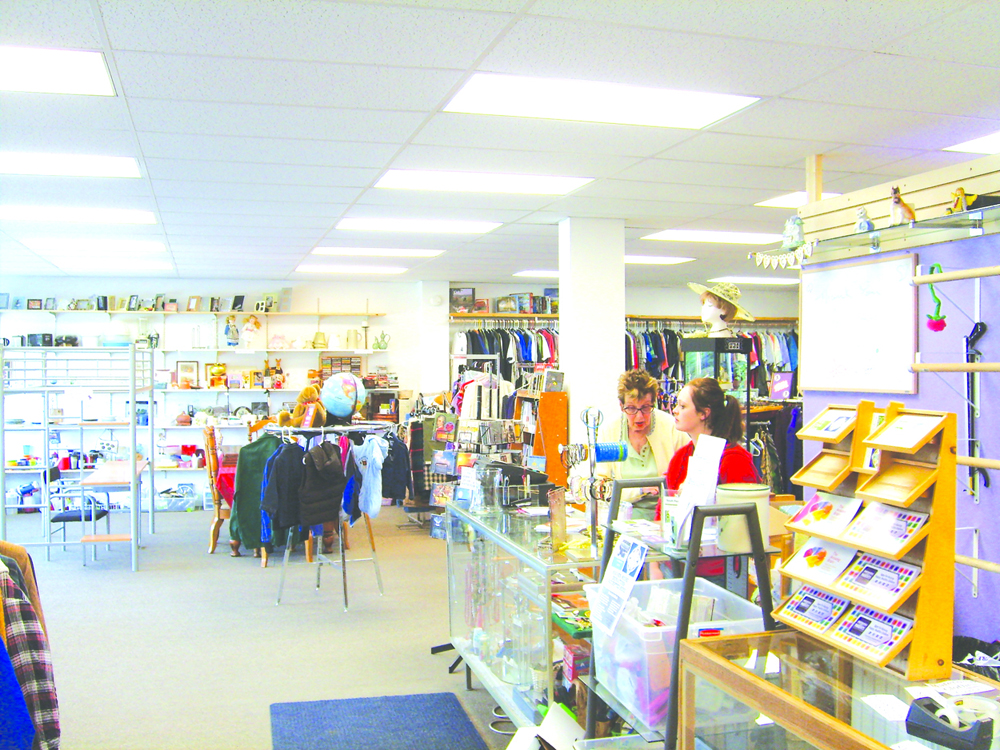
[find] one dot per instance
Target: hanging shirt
(370, 455)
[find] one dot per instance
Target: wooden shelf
(832, 425)
(826, 471)
(899, 483)
(907, 431)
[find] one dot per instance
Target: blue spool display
(610, 452)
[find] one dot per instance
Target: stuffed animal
(899, 210)
(965, 202)
(308, 397)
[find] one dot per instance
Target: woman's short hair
(725, 418)
(637, 383)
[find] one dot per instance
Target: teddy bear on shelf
(250, 329)
(307, 402)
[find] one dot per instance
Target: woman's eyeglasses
(633, 410)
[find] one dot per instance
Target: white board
(859, 326)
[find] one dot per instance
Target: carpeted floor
(191, 651)
(432, 721)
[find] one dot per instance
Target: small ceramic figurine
(793, 235)
(965, 202)
(864, 224)
(250, 330)
(899, 210)
(232, 332)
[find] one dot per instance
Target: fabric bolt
(20, 556)
(28, 649)
(322, 485)
(244, 523)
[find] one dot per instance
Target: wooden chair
(220, 510)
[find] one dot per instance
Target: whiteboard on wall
(859, 326)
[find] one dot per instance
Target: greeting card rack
(878, 582)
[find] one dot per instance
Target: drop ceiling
(259, 124)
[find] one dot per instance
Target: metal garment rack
(318, 558)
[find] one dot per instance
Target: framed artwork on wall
(462, 299)
(187, 372)
(194, 303)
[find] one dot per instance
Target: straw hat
(727, 291)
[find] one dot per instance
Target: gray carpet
(191, 651)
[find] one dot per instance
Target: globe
(343, 395)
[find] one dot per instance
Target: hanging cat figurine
(900, 211)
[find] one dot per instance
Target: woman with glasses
(702, 408)
(649, 433)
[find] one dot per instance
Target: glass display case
(502, 573)
(787, 690)
(725, 359)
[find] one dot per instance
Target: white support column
(435, 340)
(591, 315)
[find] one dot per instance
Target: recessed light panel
(427, 226)
(376, 252)
(77, 215)
(68, 165)
(538, 274)
(988, 144)
(320, 268)
(761, 280)
(592, 101)
(480, 182)
(792, 200)
(722, 238)
(54, 71)
(655, 260)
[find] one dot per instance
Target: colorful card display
(826, 514)
(877, 579)
(829, 425)
(872, 633)
(813, 610)
(885, 527)
(819, 561)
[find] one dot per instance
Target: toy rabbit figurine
(232, 332)
(900, 211)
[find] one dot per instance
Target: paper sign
(699, 486)
(626, 563)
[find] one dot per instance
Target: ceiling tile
(239, 208)
(730, 148)
(250, 192)
(953, 36)
(566, 163)
(259, 173)
(67, 24)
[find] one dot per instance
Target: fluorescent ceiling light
(54, 71)
(763, 280)
(321, 268)
(69, 165)
(77, 215)
(429, 226)
(376, 252)
(57, 245)
(480, 182)
(792, 200)
(538, 274)
(988, 144)
(656, 260)
(592, 101)
(725, 238)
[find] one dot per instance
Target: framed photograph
(462, 299)
(50, 303)
(258, 379)
(34, 304)
(506, 305)
(540, 305)
(170, 306)
(102, 302)
(552, 292)
(237, 305)
(158, 302)
(18, 303)
(4, 301)
(194, 303)
(187, 372)
(481, 306)
(214, 305)
(133, 302)
(123, 303)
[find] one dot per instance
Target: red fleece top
(736, 466)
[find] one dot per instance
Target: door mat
(429, 721)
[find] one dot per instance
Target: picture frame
(461, 299)
(133, 302)
(123, 303)
(34, 304)
(194, 304)
(50, 303)
(481, 306)
(4, 300)
(158, 302)
(214, 304)
(102, 302)
(257, 378)
(18, 303)
(187, 371)
(237, 305)
(506, 305)
(170, 306)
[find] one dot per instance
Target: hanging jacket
(396, 477)
(283, 477)
(323, 483)
(244, 523)
(370, 455)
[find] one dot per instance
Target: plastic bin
(634, 663)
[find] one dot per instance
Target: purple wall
(973, 616)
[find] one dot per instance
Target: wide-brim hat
(727, 291)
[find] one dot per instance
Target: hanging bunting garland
(936, 321)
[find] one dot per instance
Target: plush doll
(250, 330)
(306, 398)
(232, 332)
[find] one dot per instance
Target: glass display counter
(501, 577)
(787, 690)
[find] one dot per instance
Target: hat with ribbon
(727, 291)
